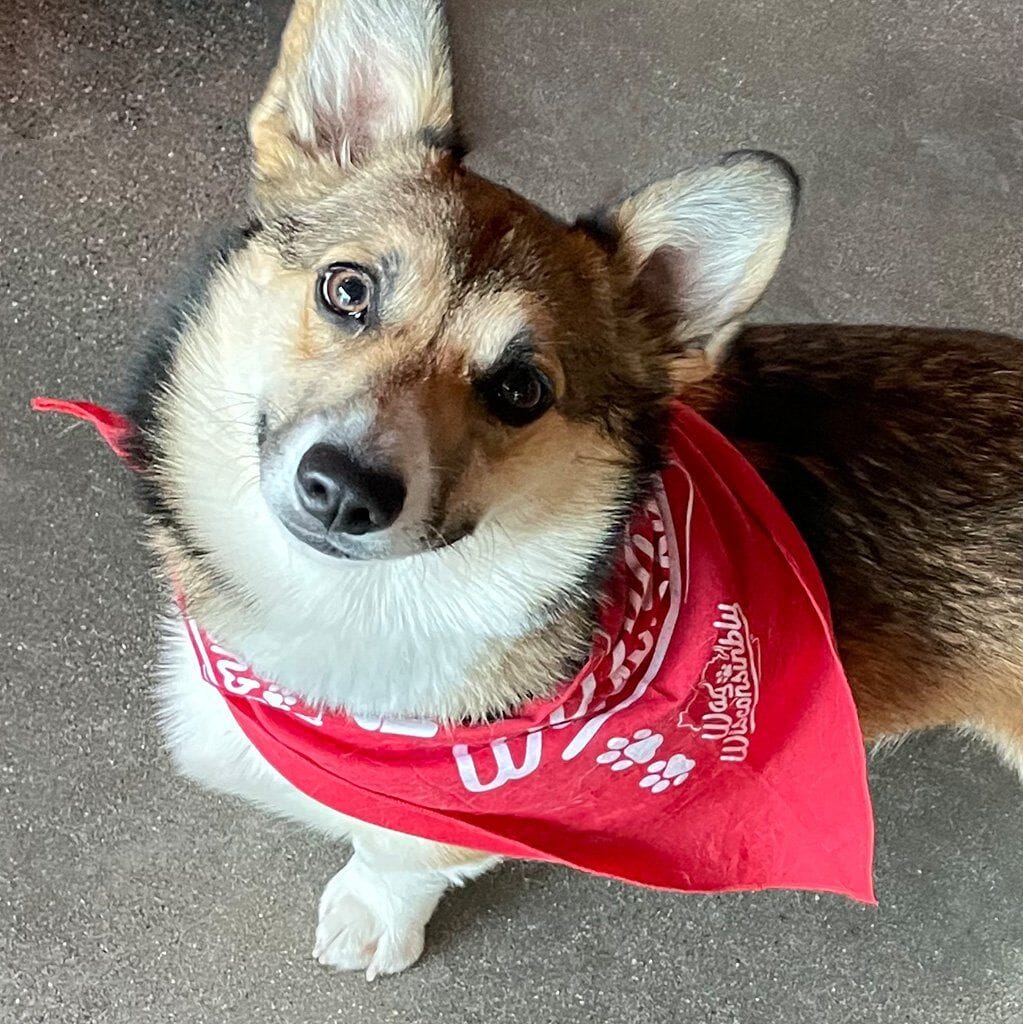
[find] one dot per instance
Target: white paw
(373, 921)
(622, 754)
(662, 774)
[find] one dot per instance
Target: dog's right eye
(517, 394)
(346, 290)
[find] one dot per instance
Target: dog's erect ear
(700, 248)
(352, 75)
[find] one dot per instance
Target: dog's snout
(345, 496)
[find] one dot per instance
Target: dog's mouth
(433, 539)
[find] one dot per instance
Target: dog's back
(899, 453)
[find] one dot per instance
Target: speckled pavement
(130, 896)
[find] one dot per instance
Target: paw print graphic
(277, 698)
(662, 774)
(623, 752)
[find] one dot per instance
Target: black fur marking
(282, 234)
(149, 371)
(601, 226)
(449, 139)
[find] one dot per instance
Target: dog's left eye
(346, 290)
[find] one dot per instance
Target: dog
(471, 396)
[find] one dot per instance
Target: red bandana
(710, 743)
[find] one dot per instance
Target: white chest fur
(207, 745)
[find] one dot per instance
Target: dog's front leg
(374, 911)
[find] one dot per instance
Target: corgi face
(450, 357)
(404, 364)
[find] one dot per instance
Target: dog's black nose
(345, 496)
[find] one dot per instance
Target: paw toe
(395, 952)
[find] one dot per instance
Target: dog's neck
(463, 633)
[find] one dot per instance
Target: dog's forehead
(476, 233)
(500, 232)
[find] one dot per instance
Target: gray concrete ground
(128, 895)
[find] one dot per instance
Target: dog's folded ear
(351, 77)
(701, 247)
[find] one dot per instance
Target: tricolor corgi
(417, 453)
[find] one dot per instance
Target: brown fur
(899, 454)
